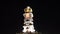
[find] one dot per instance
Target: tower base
(29, 33)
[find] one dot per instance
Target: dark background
(12, 15)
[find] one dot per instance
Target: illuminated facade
(28, 20)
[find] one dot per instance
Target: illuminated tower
(28, 20)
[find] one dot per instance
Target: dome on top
(28, 9)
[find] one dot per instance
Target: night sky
(12, 16)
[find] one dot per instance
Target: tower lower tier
(28, 28)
